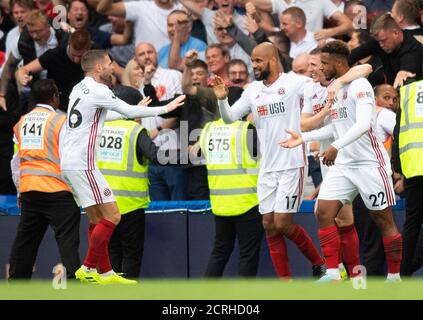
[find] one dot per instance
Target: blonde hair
(128, 77)
(37, 16)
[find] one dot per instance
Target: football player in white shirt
(275, 102)
(315, 114)
(89, 103)
(362, 164)
(386, 118)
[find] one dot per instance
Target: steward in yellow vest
(232, 167)
(44, 196)
(122, 156)
(408, 159)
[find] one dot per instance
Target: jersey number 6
(75, 117)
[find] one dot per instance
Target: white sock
(108, 273)
(334, 273)
(341, 267)
(88, 270)
(392, 276)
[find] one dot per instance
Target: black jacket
(407, 57)
(26, 45)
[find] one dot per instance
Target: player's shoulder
(295, 79)
(98, 90)
(360, 89)
(311, 87)
(360, 83)
(387, 113)
(253, 87)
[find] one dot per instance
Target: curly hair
(336, 48)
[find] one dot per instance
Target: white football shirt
(385, 123)
(274, 109)
(314, 101)
(367, 150)
(89, 102)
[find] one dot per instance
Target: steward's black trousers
(38, 211)
(248, 229)
(411, 248)
(126, 246)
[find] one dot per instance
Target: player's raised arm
(360, 71)
(141, 111)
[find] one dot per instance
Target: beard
(107, 79)
(263, 75)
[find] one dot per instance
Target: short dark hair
(44, 90)
(28, 4)
(336, 48)
(297, 14)
(198, 63)
(234, 62)
(221, 47)
(69, 4)
(80, 39)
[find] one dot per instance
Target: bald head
(386, 96)
(266, 50)
(300, 64)
(146, 54)
(266, 63)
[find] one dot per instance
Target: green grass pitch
(225, 289)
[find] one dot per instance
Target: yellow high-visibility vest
(232, 173)
(411, 129)
(117, 160)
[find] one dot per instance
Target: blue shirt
(192, 43)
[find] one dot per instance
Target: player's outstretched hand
(219, 88)
(175, 103)
(145, 102)
(329, 156)
(292, 142)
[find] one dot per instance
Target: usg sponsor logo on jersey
(339, 113)
(271, 109)
(363, 94)
(262, 111)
